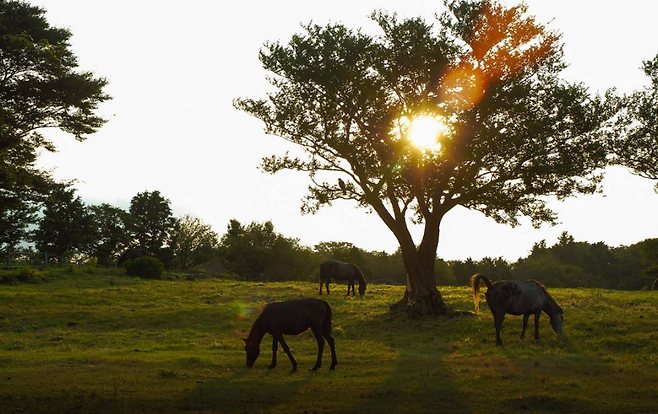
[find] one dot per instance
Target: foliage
(193, 242)
(66, 226)
(40, 87)
(111, 236)
(257, 252)
(341, 251)
(146, 267)
(572, 264)
(516, 132)
(108, 343)
(15, 217)
(637, 146)
(152, 223)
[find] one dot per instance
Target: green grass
(107, 343)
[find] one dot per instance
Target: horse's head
(252, 353)
(557, 320)
(362, 288)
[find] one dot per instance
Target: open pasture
(107, 343)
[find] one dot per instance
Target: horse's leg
(275, 347)
(348, 286)
(353, 292)
(327, 284)
(321, 281)
(537, 315)
(498, 323)
(320, 339)
(285, 347)
(525, 324)
(326, 332)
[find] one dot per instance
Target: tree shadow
(418, 380)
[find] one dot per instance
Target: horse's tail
(326, 325)
(475, 283)
(325, 271)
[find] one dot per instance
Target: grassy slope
(111, 344)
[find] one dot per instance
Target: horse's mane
(550, 301)
(359, 275)
(541, 285)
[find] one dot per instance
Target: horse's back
(337, 270)
(295, 316)
(516, 297)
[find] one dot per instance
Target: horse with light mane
(517, 298)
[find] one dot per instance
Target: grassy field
(107, 343)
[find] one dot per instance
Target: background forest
(73, 232)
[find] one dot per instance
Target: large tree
(151, 223)
(637, 146)
(514, 131)
(66, 228)
(193, 242)
(110, 233)
(40, 87)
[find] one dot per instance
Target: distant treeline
(67, 227)
(256, 252)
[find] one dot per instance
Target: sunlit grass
(106, 343)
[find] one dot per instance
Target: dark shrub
(145, 266)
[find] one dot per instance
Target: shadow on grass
(418, 379)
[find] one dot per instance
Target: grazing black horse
(291, 317)
(342, 271)
(131, 254)
(517, 298)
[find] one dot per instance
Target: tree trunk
(421, 297)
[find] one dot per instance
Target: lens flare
(240, 310)
(425, 131)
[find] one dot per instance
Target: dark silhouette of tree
(193, 242)
(258, 252)
(14, 221)
(515, 131)
(341, 251)
(110, 233)
(66, 227)
(40, 87)
(151, 224)
(637, 146)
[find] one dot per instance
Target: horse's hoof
(271, 366)
(314, 368)
(332, 367)
(292, 371)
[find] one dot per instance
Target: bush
(146, 266)
(21, 275)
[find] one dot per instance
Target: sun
(424, 132)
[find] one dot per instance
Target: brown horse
(291, 317)
(517, 298)
(342, 271)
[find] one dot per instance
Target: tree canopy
(514, 131)
(151, 222)
(40, 87)
(636, 147)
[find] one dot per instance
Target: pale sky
(175, 67)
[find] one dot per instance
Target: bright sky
(174, 69)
